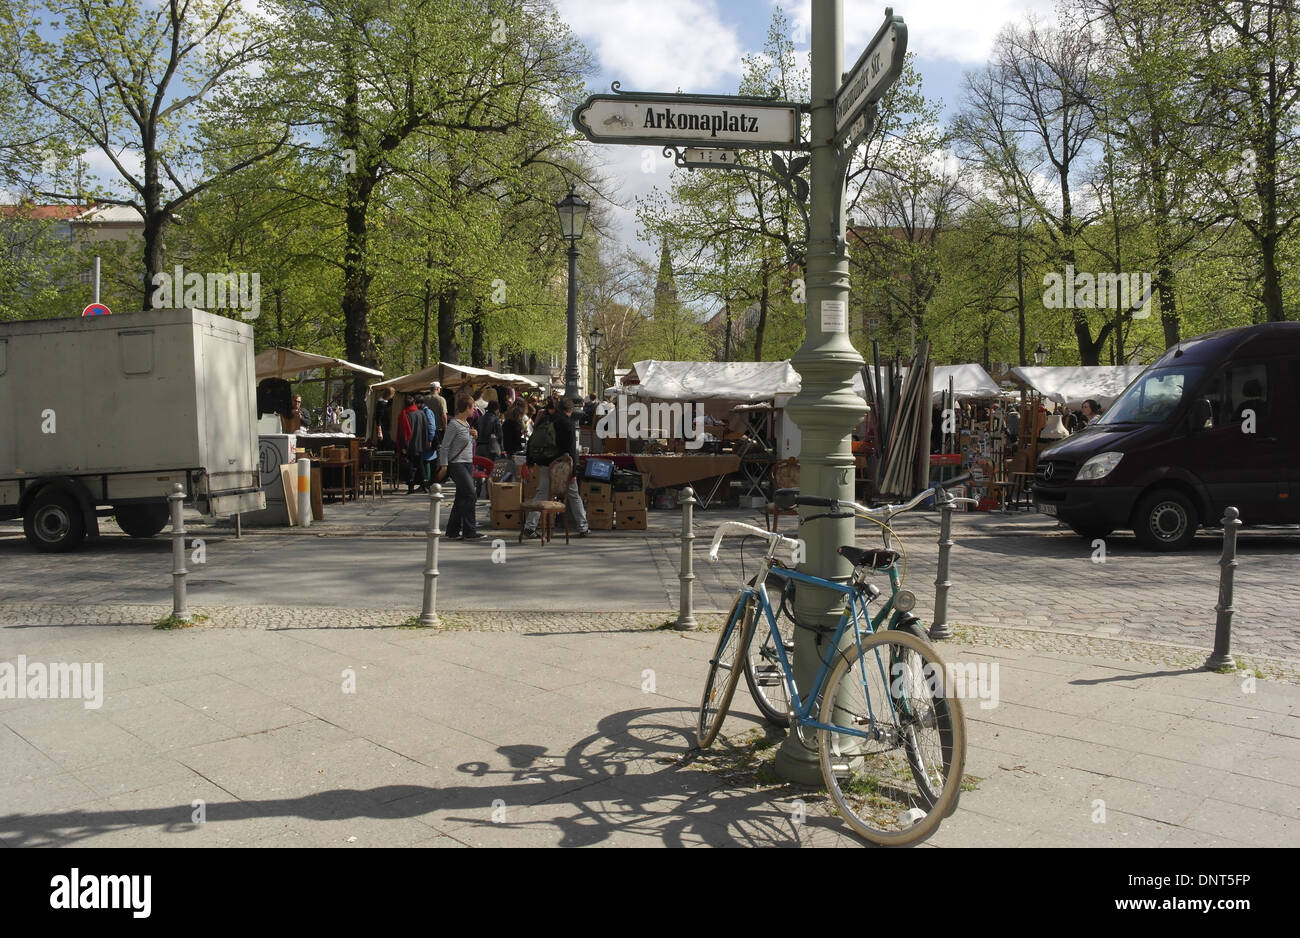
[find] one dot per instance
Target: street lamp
(1040, 355)
(593, 341)
(573, 211)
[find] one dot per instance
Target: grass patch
(970, 782)
(171, 622)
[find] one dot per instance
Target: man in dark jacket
(566, 441)
(413, 441)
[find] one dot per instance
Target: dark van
(1214, 423)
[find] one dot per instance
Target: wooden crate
(507, 520)
(629, 501)
(506, 496)
(596, 494)
(637, 520)
(600, 519)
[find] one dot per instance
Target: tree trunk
(764, 299)
(1168, 304)
(478, 340)
(448, 348)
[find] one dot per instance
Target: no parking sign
(96, 309)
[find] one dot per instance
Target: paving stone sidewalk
(569, 737)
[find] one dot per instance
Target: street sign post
(711, 129)
(873, 75)
(705, 121)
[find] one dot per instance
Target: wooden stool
(372, 483)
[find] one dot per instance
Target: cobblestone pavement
(364, 567)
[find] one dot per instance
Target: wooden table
(668, 472)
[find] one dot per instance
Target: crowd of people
(437, 443)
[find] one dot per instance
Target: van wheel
(1166, 521)
(141, 520)
(54, 524)
(1091, 534)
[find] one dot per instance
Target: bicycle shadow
(634, 776)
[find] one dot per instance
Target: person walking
(490, 440)
(559, 428)
(513, 430)
(457, 455)
(412, 441)
(431, 444)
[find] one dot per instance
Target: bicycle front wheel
(725, 667)
(764, 674)
(894, 761)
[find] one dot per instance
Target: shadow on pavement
(631, 776)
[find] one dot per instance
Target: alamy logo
(638, 421)
(76, 891)
(242, 292)
(56, 681)
(1098, 291)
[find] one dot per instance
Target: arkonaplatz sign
(689, 120)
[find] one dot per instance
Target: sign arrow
(706, 121)
(873, 75)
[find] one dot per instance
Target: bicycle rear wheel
(893, 764)
(725, 667)
(763, 671)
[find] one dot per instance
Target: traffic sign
(708, 121)
(873, 75)
(96, 309)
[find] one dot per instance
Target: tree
(137, 82)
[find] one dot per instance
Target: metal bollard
(177, 500)
(1222, 656)
(941, 629)
(304, 493)
(429, 614)
(686, 615)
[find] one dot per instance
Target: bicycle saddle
(875, 559)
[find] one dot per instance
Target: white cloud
(956, 30)
(659, 46)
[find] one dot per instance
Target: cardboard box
(600, 519)
(597, 493)
(629, 501)
(505, 496)
(638, 520)
(507, 520)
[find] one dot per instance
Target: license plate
(1047, 509)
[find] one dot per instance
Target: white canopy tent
(453, 377)
(970, 383)
(289, 363)
(1074, 385)
(746, 382)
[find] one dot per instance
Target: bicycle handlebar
(741, 527)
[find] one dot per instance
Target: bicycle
(763, 670)
(891, 742)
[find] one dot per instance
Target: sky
(697, 46)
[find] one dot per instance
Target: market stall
(329, 436)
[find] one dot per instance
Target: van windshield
(1153, 397)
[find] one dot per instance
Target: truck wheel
(141, 520)
(54, 523)
(1165, 520)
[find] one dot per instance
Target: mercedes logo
(1049, 471)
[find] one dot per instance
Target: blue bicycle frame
(856, 607)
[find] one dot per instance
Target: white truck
(104, 415)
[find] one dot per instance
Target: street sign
(715, 157)
(873, 75)
(707, 121)
(96, 309)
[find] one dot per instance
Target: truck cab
(1213, 424)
